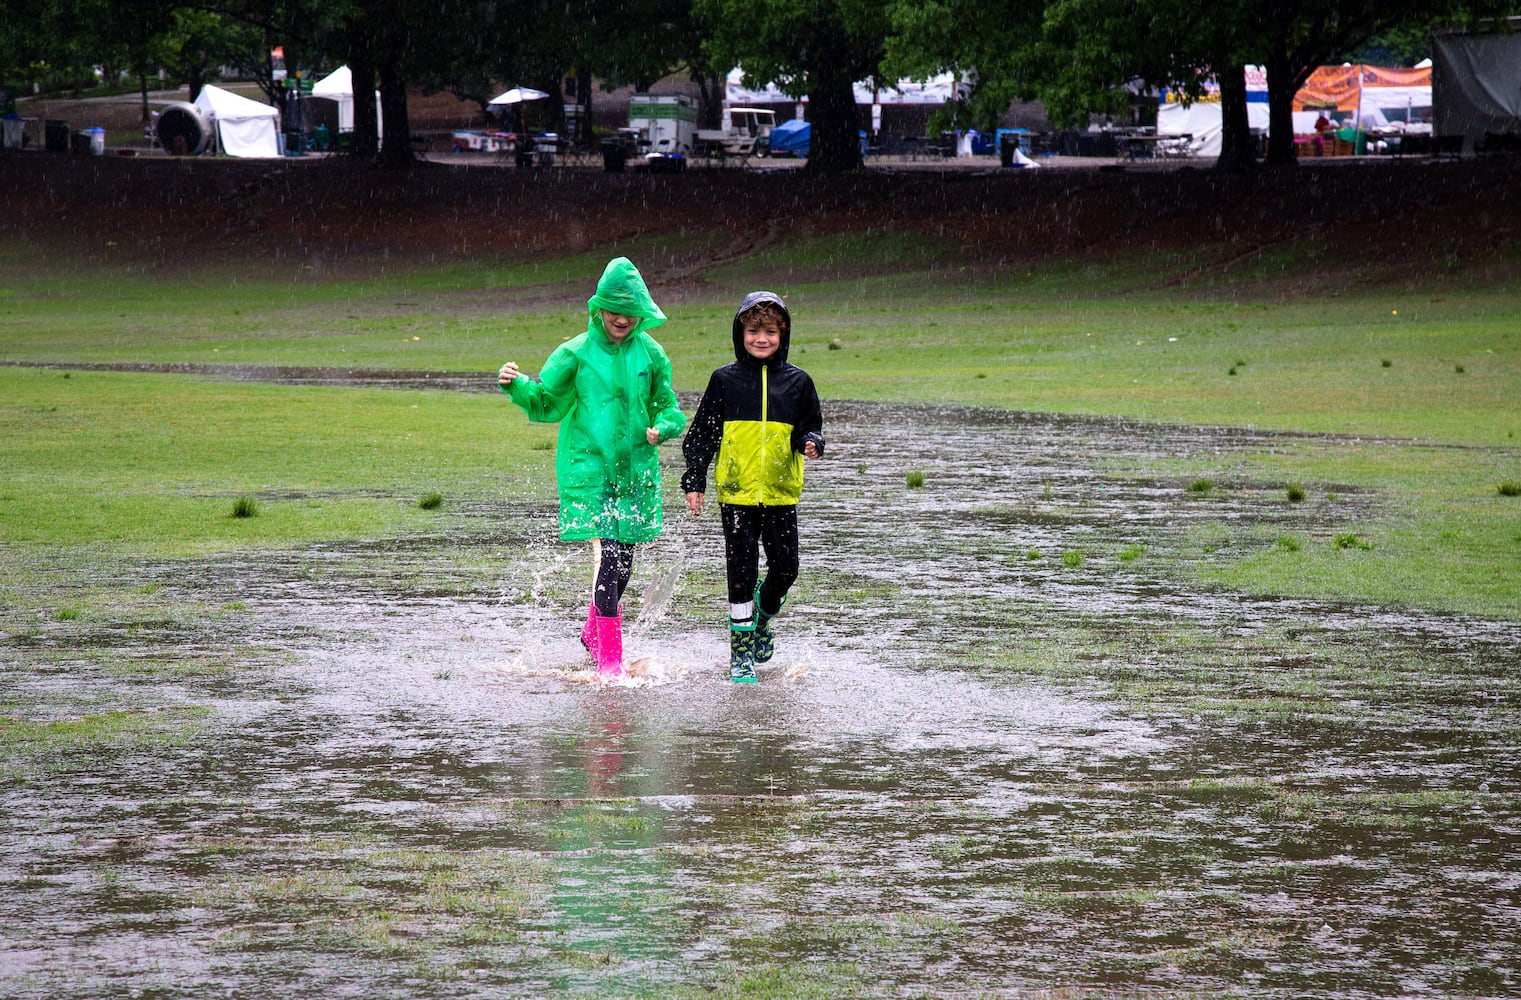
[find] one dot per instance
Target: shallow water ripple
(409, 785)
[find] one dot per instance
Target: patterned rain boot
(742, 651)
(765, 641)
(607, 646)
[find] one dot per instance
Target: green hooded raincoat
(604, 396)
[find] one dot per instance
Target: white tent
(244, 127)
(1202, 119)
(935, 91)
(339, 86)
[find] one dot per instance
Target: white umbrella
(517, 95)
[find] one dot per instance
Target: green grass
(1062, 337)
(172, 460)
(887, 316)
(28, 746)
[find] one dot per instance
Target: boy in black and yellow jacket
(761, 416)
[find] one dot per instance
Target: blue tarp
(791, 138)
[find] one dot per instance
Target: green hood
(622, 290)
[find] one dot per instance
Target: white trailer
(667, 123)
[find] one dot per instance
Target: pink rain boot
(589, 631)
(607, 647)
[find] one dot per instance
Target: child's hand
(694, 502)
(652, 435)
(810, 450)
(508, 373)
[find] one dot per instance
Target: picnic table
(1146, 146)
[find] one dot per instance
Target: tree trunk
(364, 144)
(1283, 82)
(396, 143)
(195, 82)
(834, 146)
(1237, 152)
(711, 89)
(584, 89)
(552, 108)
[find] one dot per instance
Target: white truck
(746, 132)
(666, 123)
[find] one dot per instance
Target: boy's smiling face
(762, 337)
(617, 326)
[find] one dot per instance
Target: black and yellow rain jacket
(756, 417)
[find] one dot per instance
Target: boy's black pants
(746, 531)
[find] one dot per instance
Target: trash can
(948, 141)
(1008, 142)
(525, 152)
(614, 155)
(55, 136)
(79, 143)
(293, 144)
(97, 140)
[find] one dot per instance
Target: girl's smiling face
(761, 338)
(617, 326)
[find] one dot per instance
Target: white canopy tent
(243, 127)
(339, 86)
(1202, 119)
(935, 91)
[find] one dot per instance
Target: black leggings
(613, 573)
(746, 530)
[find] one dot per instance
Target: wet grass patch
(1400, 524)
(431, 905)
(60, 745)
(1267, 674)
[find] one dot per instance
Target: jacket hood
(750, 302)
(622, 290)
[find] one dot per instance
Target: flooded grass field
(1005, 749)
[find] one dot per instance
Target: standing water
(977, 766)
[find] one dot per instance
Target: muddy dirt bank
(1387, 215)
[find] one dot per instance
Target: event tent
(1201, 119)
(1363, 96)
(1356, 95)
(339, 86)
(1478, 83)
(935, 91)
(243, 127)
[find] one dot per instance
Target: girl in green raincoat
(610, 391)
